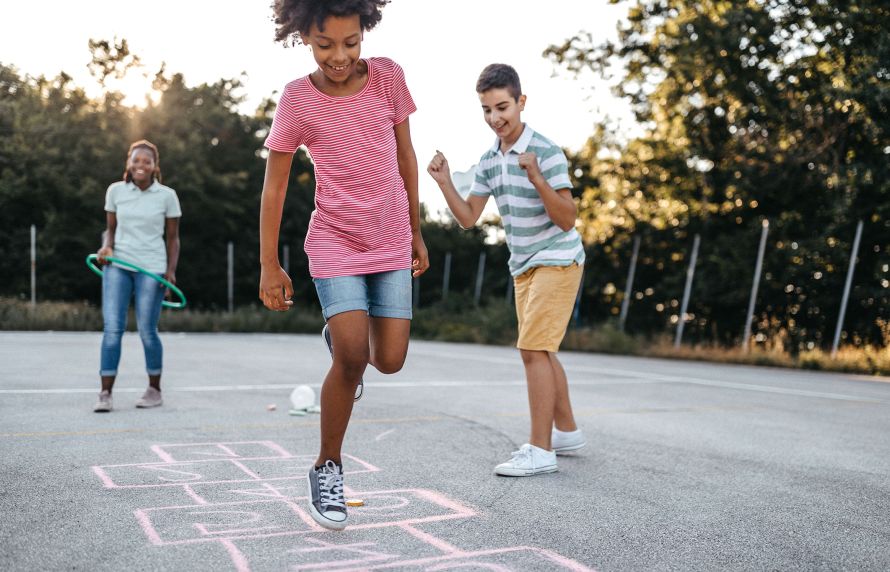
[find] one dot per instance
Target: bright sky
(442, 46)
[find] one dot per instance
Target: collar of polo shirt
(521, 144)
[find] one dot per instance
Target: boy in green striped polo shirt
(528, 176)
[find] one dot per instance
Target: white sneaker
(566, 441)
(151, 398)
(527, 461)
(103, 405)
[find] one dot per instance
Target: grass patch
(456, 320)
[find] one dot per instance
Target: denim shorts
(381, 295)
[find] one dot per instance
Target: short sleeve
(555, 168)
(480, 187)
(110, 205)
(172, 210)
(403, 103)
(285, 134)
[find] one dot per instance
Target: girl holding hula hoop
(143, 229)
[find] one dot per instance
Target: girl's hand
(438, 168)
(170, 277)
(420, 258)
(276, 288)
(103, 253)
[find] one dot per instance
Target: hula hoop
(91, 263)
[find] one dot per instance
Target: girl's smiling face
(142, 167)
(338, 48)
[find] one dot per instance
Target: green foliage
(59, 151)
(752, 110)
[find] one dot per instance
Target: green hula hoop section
(91, 263)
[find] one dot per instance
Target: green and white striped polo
(533, 239)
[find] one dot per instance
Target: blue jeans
(381, 295)
(118, 287)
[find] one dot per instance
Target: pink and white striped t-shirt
(361, 221)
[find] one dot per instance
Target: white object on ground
(302, 397)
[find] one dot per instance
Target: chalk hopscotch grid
(277, 516)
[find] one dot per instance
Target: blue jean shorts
(381, 295)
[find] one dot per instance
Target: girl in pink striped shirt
(364, 242)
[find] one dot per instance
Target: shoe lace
(330, 485)
(522, 454)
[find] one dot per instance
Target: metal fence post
(690, 273)
(33, 265)
(846, 296)
(446, 276)
(758, 267)
(480, 274)
(230, 275)
(629, 287)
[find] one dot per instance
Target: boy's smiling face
(338, 48)
(502, 113)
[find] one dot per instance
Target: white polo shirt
(141, 217)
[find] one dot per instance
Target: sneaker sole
(526, 472)
(317, 516)
(146, 406)
(101, 410)
(569, 448)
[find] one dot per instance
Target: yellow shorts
(545, 298)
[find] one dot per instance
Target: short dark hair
(502, 76)
(293, 17)
(143, 144)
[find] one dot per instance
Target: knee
(352, 366)
(149, 334)
(530, 357)
(389, 364)
(113, 330)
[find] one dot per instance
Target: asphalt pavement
(689, 465)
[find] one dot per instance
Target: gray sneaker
(104, 403)
(151, 398)
(326, 502)
(326, 335)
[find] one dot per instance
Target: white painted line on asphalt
(629, 378)
(731, 385)
(650, 377)
(289, 386)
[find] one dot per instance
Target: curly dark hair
(293, 17)
(144, 144)
(501, 76)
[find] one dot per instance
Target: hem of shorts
(385, 312)
(347, 306)
(539, 349)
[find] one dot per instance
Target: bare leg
(563, 417)
(349, 334)
(389, 343)
(541, 382)
(107, 382)
(155, 381)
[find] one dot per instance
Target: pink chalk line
(160, 450)
(459, 511)
(238, 558)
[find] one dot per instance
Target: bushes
(456, 320)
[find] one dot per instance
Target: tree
(762, 109)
